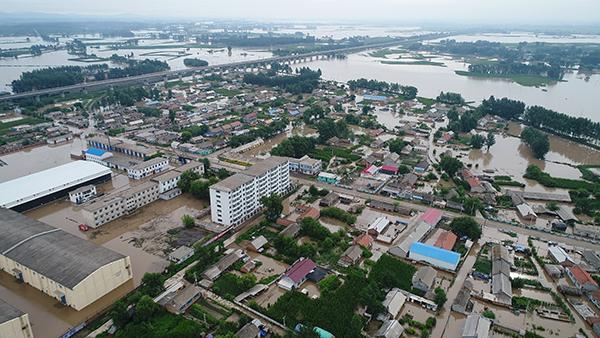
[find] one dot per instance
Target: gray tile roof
(54, 253)
(7, 312)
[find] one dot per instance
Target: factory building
(237, 198)
(14, 323)
(65, 267)
(39, 188)
(116, 145)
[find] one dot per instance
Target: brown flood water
(510, 156)
(150, 223)
(39, 158)
(48, 317)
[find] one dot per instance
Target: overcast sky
(478, 11)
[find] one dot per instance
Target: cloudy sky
(476, 11)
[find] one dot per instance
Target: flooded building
(39, 188)
(14, 323)
(423, 279)
(237, 198)
(476, 326)
(68, 268)
(435, 256)
(82, 194)
(120, 146)
(501, 286)
(148, 168)
(306, 165)
(117, 204)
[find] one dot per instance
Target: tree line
(71, 75)
(537, 141)
(195, 63)
(305, 81)
(506, 68)
(408, 92)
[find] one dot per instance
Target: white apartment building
(237, 198)
(306, 165)
(169, 180)
(83, 194)
(114, 205)
(148, 168)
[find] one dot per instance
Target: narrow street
(459, 280)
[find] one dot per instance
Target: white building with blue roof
(438, 257)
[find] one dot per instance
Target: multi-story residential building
(148, 168)
(112, 206)
(237, 198)
(306, 165)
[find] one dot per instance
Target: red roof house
(365, 240)
(446, 240)
(431, 217)
(296, 274)
(581, 278)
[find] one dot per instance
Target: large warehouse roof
(42, 183)
(52, 252)
(7, 312)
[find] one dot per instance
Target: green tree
(396, 145)
(119, 313)
(146, 309)
(450, 165)
(186, 136)
(440, 297)
(537, 141)
(466, 226)
(152, 284)
(188, 221)
(477, 141)
(490, 140)
(172, 116)
(273, 205)
(186, 179)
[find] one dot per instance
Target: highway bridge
(174, 74)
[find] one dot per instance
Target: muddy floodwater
(36, 159)
(141, 236)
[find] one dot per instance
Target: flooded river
(166, 50)
(576, 96)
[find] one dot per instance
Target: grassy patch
(5, 126)
(483, 265)
(327, 153)
(415, 63)
(228, 92)
(523, 80)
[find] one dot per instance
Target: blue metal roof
(95, 151)
(435, 253)
(375, 97)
